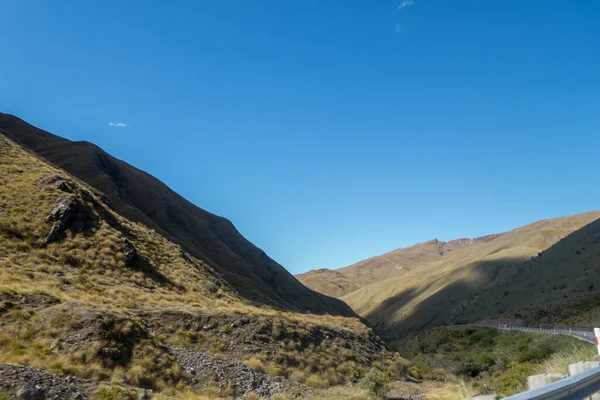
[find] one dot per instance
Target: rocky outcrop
(228, 373)
(129, 250)
(63, 215)
(57, 181)
(29, 383)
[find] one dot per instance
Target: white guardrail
(588, 336)
(576, 387)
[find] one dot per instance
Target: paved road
(587, 336)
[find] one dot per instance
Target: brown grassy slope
(79, 306)
(438, 293)
(402, 261)
(142, 198)
(562, 284)
(330, 282)
(88, 263)
(395, 263)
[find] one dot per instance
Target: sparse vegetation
(436, 283)
(87, 282)
(102, 300)
(488, 358)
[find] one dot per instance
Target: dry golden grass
(90, 267)
(330, 282)
(560, 362)
(447, 391)
(114, 392)
(399, 262)
(431, 292)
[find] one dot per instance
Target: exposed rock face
(29, 392)
(129, 250)
(63, 215)
(65, 187)
(235, 374)
(64, 211)
(54, 234)
(53, 179)
(29, 383)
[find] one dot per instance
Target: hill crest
(343, 281)
(140, 197)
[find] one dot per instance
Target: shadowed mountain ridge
(142, 198)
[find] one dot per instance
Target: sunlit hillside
(439, 292)
(399, 262)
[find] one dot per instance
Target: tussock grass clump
(559, 362)
(114, 393)
(256, 364)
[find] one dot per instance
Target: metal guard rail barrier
(583, 335)
(576, 387)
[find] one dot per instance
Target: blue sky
(327, 131)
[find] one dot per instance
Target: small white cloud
(405, 3)
(118, 124)
(398, 28)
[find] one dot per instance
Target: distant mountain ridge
(505, 274)
(395, 263)
(142, 198)
(544, 272)
(328, 281)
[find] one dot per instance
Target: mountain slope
(440, 292)
(329, 282)
(142, 198)
(561, 284)
(85, 292)
(398, 262)
(402, 261)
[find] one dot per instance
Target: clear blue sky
(327, 131)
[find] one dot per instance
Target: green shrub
(468, 369)
(225, 329)
(375, 382)
(514, 379)
(485, 337)
(536, 354)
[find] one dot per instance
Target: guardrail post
(582, 366)
(536, 381)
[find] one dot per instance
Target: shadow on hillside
(149, 271)
(446, 303)
(110, 218)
